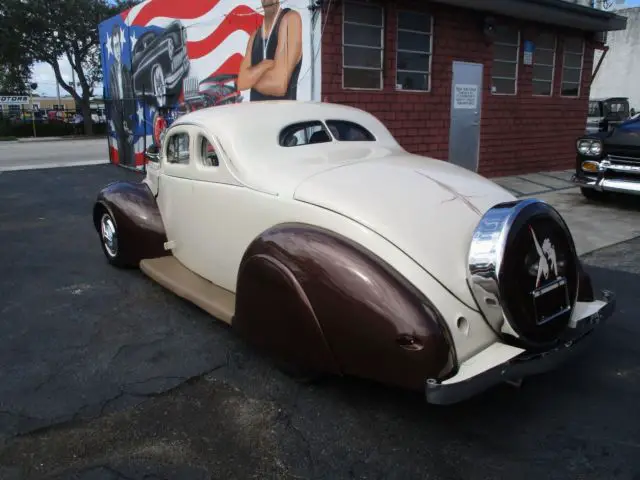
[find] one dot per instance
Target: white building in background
(619, 74)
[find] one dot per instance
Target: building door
(466, 108)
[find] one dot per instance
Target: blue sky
(43, 74)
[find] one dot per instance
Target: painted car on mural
(210, 92)
(325, 244)
(159, 63)
(609, 162)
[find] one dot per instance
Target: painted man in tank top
(271, 65)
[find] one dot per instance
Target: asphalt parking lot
(105, 375)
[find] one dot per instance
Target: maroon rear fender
(313, 298)
(137, 217)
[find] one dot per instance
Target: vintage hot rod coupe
(609, 162)
(322, 242)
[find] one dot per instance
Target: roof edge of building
(554, 12)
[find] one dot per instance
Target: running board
(174, 276)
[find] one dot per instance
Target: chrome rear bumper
(478, 374)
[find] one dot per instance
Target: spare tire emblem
(547, 254)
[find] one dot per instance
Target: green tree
(50, 30)
(15, 65)
(13, 78)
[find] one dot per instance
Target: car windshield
(594, 109)
(617, 109)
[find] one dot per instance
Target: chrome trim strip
(617, 167)
(620, 158)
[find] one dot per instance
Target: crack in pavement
(68, 421)
(148, 343)
(287, 416)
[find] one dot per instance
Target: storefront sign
(465, 97)
(14, 99)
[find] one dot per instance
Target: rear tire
(594, 195)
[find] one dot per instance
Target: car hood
(427, 208)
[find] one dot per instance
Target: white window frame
(564, 53)
(553, 68)
(381, 48)
(170, 136)
(398, 50)
(517, 62)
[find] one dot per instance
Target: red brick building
(522, 89)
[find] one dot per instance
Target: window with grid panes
(362, 45)
(572, 51)
(544, 60)
(414, 51)
(506, 50)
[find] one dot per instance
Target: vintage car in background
(210, 92)
(606, 113)
(609, 162)
(159, 63)
(326, 245)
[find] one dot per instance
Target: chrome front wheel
(109, 235)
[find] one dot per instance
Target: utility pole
(32, 87)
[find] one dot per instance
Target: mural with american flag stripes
(164, 58)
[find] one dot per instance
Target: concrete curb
(57, 139)
(44, 166)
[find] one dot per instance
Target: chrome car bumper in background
(477, 374)
(599, 181)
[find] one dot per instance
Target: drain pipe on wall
(315, 6)
(595, 72)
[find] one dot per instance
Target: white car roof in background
(249, 133)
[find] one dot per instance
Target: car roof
(249, 133)
(252, 128)
(276, 112)
(607, 99)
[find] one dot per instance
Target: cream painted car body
(424, 207)
(417, 214)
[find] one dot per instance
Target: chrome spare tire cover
(523, 271)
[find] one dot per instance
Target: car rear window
(346, 131)
(304, 133)
(315, 131)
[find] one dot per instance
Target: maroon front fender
(135, 211)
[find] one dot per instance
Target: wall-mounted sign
(465, 96)
(529, 48)
(13, 99)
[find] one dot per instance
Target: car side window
(178, 148)
(208, 154)
(346, 131)
(304, 133)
